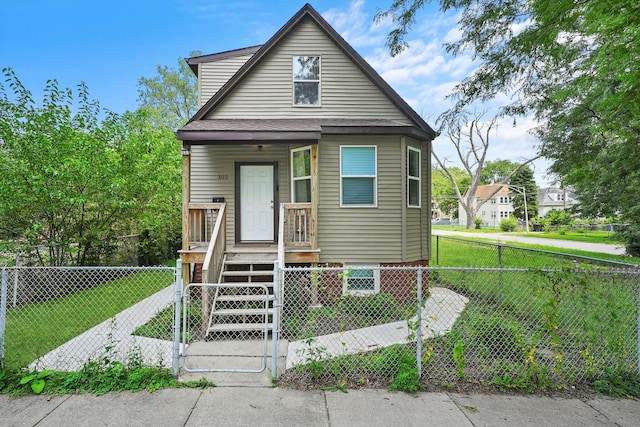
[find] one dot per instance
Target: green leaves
(74, 176)
(36, 380)
(572, 64)
(170, 97)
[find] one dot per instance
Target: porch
(205, 241)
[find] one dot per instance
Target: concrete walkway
(602, 248)
(116, 334)
(440, 312)
(244, 406)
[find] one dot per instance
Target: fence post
(15, 281)
(275, 332)
(419, 325)
(3, 312)
(500, 272)
(437, 250)
(177, 297)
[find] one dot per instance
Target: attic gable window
(306, 81)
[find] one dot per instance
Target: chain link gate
(225, 327)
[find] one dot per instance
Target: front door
(257, 203)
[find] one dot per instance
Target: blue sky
(110, 44)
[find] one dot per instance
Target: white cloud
(357, 26)
(425, 74)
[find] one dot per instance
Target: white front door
(256, 203)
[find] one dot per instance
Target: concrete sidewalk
(240, 406)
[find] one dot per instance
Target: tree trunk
(471, 219)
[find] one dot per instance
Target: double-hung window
(306, 81)
(358, 176)
(301, 175)
(413, 177)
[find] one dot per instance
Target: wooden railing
(202, 219)
(298, 230)
(214, 257)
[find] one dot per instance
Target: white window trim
(361, 292)
(414, 178)
(375, 177)
(294, 81)
(300, 178)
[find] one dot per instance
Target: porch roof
(230, 130)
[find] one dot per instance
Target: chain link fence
(63, 318)
(366, 325)
(453, 251)
(511, 327)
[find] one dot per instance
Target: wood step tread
(242, 311)
(244, 297)
(224, 327)
(224, 285)
(248, 273)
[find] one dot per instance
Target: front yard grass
(577, 235)
(35, 329)
(455, 251)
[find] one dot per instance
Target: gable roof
(308, 11)
(484, 191)
(194, 61)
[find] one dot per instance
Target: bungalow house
(301, 153)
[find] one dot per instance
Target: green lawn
(455, 252)
(577, 235)
(34, 330)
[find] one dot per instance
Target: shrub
(508, 224)
(478, 222)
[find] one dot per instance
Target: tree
(443, 192)
(574, 65)
(171, 96)
(171, 99)
(71, 181)
(497, 171)
(524, 179)
(470, 136)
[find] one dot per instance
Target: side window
(413, 177)
(306, 81)
(358, 176)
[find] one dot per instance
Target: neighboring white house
(493, 209)
(553, 199)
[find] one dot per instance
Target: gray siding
(417, 220)
(345, 91)
(213, 174)
(213, 75)
(363, 235)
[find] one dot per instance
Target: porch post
(186, 197)
(314, 196)
(314, 224)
